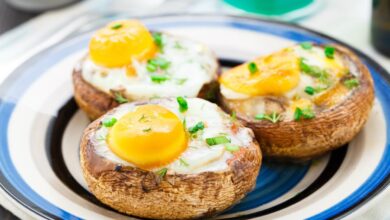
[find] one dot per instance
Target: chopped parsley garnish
(231, 147)
(199, 126)
(306, 113)
(155, 63)
(157, 37)
(116, 26)
(183, 162)
(252, 67)
(273, 117)
(162, 172)
(183, 105)
(329, 52)
(119, 98)
(217, 140)
(306, 45)
(159, 78)
(147, 129)
(310, 90)
(109, 122)
(351, 83)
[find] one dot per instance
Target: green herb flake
(310, 90)
(306, 45)
(233, 116)
(273, 117)
(162, 172)
(109, 122)
(183, 162)
(306, 113)
(159, 78)
(199, 126)
(351, 83)
(183, 105)
(147, 130)
(119, 98)
(151, 66)
(217, 140)
(314, 71)
(116, 26)
(329, 52)
(232, 148)
(157, 37)
(252, 67)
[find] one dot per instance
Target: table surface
(10, 18)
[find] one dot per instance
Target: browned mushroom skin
(175, 196)
(95, 102)
(330, 129)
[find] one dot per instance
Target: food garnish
(273, 117)
(217, 140)
(183, 105)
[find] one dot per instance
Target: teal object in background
(269, 7)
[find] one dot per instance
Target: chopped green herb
(157, 37)
(306, 45)
(184, 123)
(142, 118)
(109, 122)
(158, 62)
(183, 105)
(310, 90)
(183, 162)
(252, 67)
(233, 116)
(199, 126)
(119, 98)
(314, 71)
(162, 172)
(159, 78)
(231, 147)
(329, 52)
(151, 66)
(351, 83)
(116, 26)
(180, 81)
(273, 117)
(147, 129)
(217, 140)
(306, 113)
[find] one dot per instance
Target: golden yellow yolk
(121, 41)
(148, 137)
(277, 73)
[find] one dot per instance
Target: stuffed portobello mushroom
(172, 158)
(126, 62)
(302, 101)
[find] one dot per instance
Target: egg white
(199, 156)
(191, 66)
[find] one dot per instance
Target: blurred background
(26, 26)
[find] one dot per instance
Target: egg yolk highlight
(121, 41)
(276, 74)
(150, 136)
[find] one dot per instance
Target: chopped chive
(309, 90)
(183, 105)
(233, 116)
(297, 114)
(217, 140)
(199, 126)
(159, 78)
(351, 83)
(252, 67)
(273, 117)
(231, 147)
(329, 52)
(151, 67)
(306, 113)
(314, 71)
(116, 26)
(184, 123)
(183, 162)
(119, 98)
(306, 45)
(162, 172)
(147, 129)
(109, 122)
(157, 37)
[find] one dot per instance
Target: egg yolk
(150, 136)
(276, 74)
(121, 41)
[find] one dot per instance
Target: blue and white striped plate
(40, 129)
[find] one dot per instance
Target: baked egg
(182, 135)
(294, 83)
(129, 62)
